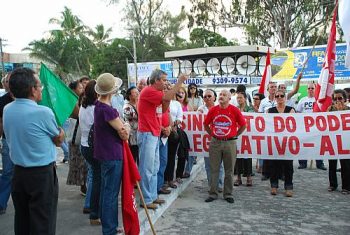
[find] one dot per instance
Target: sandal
(249, 181)
(179, 180)
(238, 182)
(345, 191)
(331, 189)
(172, 184)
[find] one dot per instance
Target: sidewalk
(71, 220)
(311, 210)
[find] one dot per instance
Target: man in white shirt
(268, 102)
(305, 105)
(290, 102)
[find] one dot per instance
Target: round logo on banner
(222, 125)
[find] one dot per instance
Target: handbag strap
(75, 131)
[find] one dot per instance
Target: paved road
(312, 209)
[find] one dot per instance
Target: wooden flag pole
(145, 207)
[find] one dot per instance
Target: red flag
(129, 209)
(325, 84)
(266, 78)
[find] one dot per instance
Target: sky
(22, 21)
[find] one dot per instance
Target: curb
(169, 199)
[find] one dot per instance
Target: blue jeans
(163, 161)
(88, 185)
(149, 164)
(6, 177)
(189, 164)
(221, 173)
(111, 177)
(64, 145)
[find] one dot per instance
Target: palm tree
(100, 36)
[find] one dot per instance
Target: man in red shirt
(224, 123)
(152, 103)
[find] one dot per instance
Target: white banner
(281, 136)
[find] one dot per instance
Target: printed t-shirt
(224, 122)
(107, 143)
(150, 110)
(306, 105)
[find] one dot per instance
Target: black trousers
(173, 144)
(96, 181)
(266, 168)
(280, 168)
(135, 153)
(243, 166)
(345, 173)
(35, 194)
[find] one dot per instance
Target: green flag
(56, 95)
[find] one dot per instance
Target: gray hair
(156, 75)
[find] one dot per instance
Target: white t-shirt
(266, 104)
(86, 119)
(176, 112)
(305, 105)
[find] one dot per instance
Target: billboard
(287, 64)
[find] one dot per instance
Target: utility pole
(135, 56)
(2, 58)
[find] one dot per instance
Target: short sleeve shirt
(224, 122)
(150, 110)
(265, 104)
(306, 105)
(107, 143)
(30, 129)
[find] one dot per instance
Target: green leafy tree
(200, 37)
(289, 21)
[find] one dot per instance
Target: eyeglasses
(207, 96)
(256, 99)
(191, 88)
(311, 88)
(283, 88)
(339, 98)
(279, 96)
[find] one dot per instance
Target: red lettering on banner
(260, 124)
(278, 124)
(281, 148)
(248, 118)
(206, 141)
(291, 125)
(294, 145)
(340, 146)
(333, 122)
(345, 120)
(197, 122)
(326, 146)
(245, 145)
(197, 142)
(269, 145)
(258, 140)
(321, 123)
(309, 122)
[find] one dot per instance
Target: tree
(289, 21)
(68, 48)
(200, 37)
(154, 28)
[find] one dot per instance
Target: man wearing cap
(109, 133)
(152, 103)
(32, 135)
(224, 123)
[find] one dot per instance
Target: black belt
(225, 139)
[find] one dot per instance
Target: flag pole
(318, 37)
(145, 207)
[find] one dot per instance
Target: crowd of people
(149, 116)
